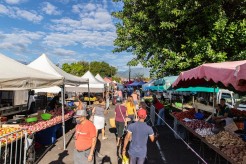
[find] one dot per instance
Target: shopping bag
(125, 160)
(112, 122)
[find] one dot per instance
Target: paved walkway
(56, 155)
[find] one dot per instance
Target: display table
(203, 140)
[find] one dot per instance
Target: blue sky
(65, 30)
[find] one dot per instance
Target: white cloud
(3, 9)
(15, 12)
(50, 9)
(63, 52)
(59, 40)
(82, 37)
(15, 1)
(18, 41)
(94, 28)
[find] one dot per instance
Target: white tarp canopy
(99, 77)
(17, 76)
(94, 85)
(43, 63)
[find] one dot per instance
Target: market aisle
(57, 155)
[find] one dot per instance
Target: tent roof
(14, 76)
(98, 77)
(44, 64)
(92, 79)
(198, 89)
(210, 74)
(107, 80)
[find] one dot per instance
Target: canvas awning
(198, 89)
(44, 64)
(17, 76)
(210, 74)
(94, 85)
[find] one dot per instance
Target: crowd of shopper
(130, 116)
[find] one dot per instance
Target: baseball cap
(142, 113)
(80, 113)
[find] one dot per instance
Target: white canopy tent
(99, 77)
(95, 85)
(17, 76)
(44, 64)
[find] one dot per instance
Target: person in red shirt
(85, 139)
(160, 108)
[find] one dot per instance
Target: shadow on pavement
(61, 156)
(106, 160)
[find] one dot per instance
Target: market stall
(228, 144)
(17, 76)
(44, 64)
(95, 86)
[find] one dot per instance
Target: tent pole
(213, 101)
(89, 94)
(63, 119)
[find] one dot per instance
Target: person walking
(131, 109)
(160, 108)
(135, 98)
(98, 113)
(138, 132)
(85, 139)
(107, 97)
(81, 105)
(120, 122)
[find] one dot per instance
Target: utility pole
(129, 73)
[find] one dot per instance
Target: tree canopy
(95, 67)
(170, 36)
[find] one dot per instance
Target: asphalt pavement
(167, 149)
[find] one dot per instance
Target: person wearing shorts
(120, 116)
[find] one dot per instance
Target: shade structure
(156, 88)
(147, 85)
(210, 74)
(17, 76)
(94, 85)
(240, 74)
(99, 77)
(135, 84)
(198, 89)
(44, 64)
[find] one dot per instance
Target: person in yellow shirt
(131, 109)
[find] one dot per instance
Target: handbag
(112, 122)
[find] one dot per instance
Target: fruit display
(198, 124)
(42, 124)
(187, 114)
(232, 146)
(238, 113)
(9, 137)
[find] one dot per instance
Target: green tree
(81, 67)
(170, 36)
(103, 68)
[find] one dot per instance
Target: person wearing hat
(138, 132)
(85, 139)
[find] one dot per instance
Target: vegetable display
(232, 146)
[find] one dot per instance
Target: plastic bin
(47, 136)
